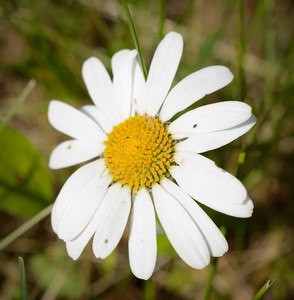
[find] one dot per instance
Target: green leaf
(26, 185)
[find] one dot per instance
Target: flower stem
(223, 228)
(210, 278)
(23, 293)
(263, 290)
(212, 272)
(241, 161)
(134, 35)
(25, 227)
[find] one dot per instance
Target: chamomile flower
(146, 164)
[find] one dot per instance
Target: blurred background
(42, 47)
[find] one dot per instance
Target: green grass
(49, 40)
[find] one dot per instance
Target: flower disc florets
(139, 151)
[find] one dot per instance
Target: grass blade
(135, 38)
(25, 227)
(23, 293)
(22, 97)
(263, 290)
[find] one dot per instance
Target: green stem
(162, 18)
(241, 49)
(263, 290)
(223, 228)
(134, 35)
(21, 98)
(23, 292)
(210, 278)
(25, 227)
(241, 161)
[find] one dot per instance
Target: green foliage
(26, 185)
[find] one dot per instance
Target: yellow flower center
(139, 152)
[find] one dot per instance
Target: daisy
(147, 166)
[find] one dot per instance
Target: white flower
(146, 164)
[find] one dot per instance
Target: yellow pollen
(139, 152)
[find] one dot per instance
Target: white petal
(74, 123)
(215, 182)
(193, 88)
(76, 246)
(248, 202)
(114, 211)
(142, 239)
(203, 142)
(54, 219)
(162, 71)
(75, 182)
(139, 84)
(122, 66)
(98, 116)
(70, 153)
(210, 118)
(215, 240)
(100, 88)
(118, 59)
(204, 181)
(180, 229)
(83, 204)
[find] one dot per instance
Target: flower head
(147, 164)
